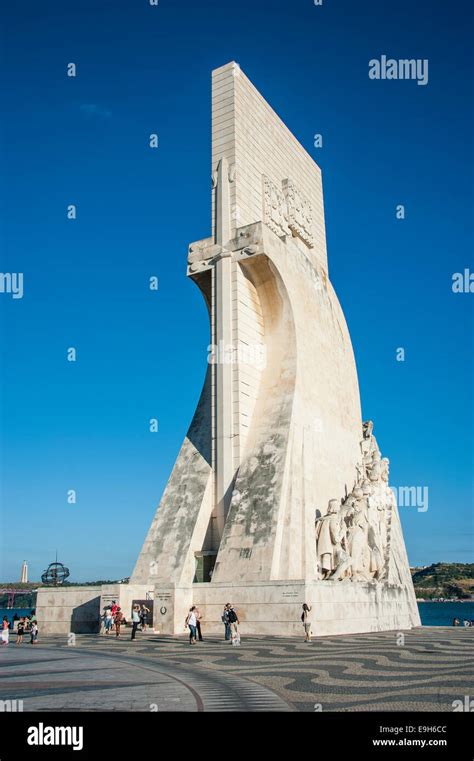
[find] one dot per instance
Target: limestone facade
(277, 437)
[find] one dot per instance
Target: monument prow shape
(279, 494)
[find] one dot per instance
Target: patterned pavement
(364, 672)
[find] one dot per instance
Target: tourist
(118, 620)
(191, 622)
(198, 624)
(234, 624)
(20, 631)
(135, 620)
(225, 621)
(456, 622)
(144, 617)
(306, 622)
(5, 630)
(34, 633)
(109, 620)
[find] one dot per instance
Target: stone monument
(279, 494)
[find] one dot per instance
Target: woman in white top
(191, 622)
(109, 620)
(5, 630)
(305, 617)
(135, 621)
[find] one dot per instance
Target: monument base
(77, 610)
(274, 607)
(268, 608)
(66, 610)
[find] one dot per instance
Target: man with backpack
(234, 622)
(225, 621)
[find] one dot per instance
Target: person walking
(34, 633)
(5, 631)
(20, 631)
(191, 622)
(135, 620)
(144, 611)
(305, 618)
(234, 624)
(225, 621)
(118, 621)
(198, 624)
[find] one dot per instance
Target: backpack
(302, 617)
(231, 616)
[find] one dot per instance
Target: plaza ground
(361, 672)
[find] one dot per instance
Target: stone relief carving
(300, 213)
(287, 210)
(275, 212)
(329, 537)
(353, 538)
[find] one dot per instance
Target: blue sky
(141, 354)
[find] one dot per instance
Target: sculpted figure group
(352, 539)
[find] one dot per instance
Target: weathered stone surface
(184, 514)
(62, 610)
